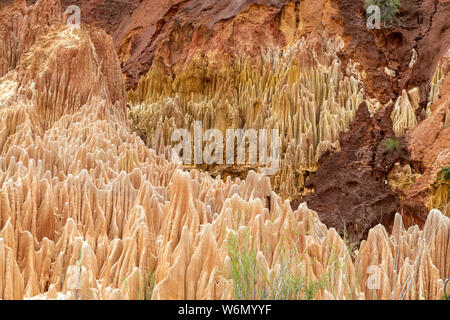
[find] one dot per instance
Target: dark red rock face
(145, 29)
(149, 28)
(423, 26)
(350, 188)
(174, 31)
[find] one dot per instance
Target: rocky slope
(88, 211)
(147, 30)
(223, 73)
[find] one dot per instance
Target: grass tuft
(252, 280)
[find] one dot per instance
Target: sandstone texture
(174, 30)
(95, 204)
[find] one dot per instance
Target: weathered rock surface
(429, 143)
(301, 90)
(87, 211)
(359, 174)
(350, 187)
(174, 30)
(188, 32)
(423, 26)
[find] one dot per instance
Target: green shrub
(391, 144)
(445, 173)
(388, 9)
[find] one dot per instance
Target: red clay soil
(423, 25)
(173, 30)
(429, 144)
(176, 30)
(350, 188)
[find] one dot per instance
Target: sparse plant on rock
(391, 144)
(88, 211)
(446, 173)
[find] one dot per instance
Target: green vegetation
(391, 144)
(252, 281)
(145, 286)
(445, 177)
(245, 271)
(151, 281)
(445, 173)
(388, 9)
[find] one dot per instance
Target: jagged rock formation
(430, 150)
(206, 77)
(19, 26)
(147, 31)
(387, 163)
(300, 90)
(350, 188)
(87, 211)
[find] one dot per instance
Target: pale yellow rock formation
(87, 211)
(403, 115)
(401, 177)
(305, 94)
